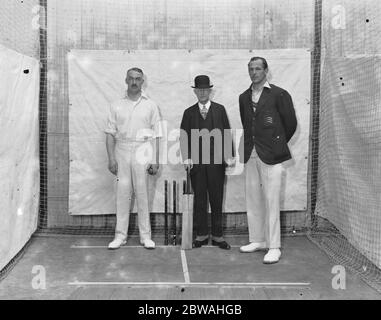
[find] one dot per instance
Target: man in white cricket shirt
(133, 125)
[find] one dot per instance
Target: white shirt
(207, 105)
(130, 120)
(255, 95)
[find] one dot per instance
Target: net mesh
(19, 26)
(347, 136)
(344, 177)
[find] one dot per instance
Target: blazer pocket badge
(268, 120)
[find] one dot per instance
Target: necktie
(204, 112)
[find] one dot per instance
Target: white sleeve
(156, 122)
(111, 127)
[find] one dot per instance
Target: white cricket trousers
(132, 179)
(263, 184)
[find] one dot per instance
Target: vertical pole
(314, 136)
(43, 111)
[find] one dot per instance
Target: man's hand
(188, 165)
(113, 166)
(152, 169)
(230, 162)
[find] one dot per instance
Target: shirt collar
(143, 95)
(207, 105)
(266, 85)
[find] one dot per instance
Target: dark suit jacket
(274, 125)
(191, 120)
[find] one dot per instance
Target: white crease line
(103, 247)
(185, 266)
(196, 284)
(128, 246)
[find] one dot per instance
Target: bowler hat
(202, 82)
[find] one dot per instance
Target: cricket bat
(187, 216)
(174, 222)
(166, 212)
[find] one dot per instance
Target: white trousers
(132, 179)
(263, 184)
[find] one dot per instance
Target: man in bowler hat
(207, 149)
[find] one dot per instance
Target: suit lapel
(196, 116)
(248, 102)
(216, 124)
(213, 115)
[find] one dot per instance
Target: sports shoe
(272, 256)
(253, 246)
(200, 243)
(221, 244)
(148, 244)
(116, 243)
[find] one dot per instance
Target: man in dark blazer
(205, 133)
(269, 121)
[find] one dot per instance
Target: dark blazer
(191, 120)
(270, 128)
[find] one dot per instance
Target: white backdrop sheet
(96, 78)
(19, 169)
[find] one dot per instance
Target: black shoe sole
(222, 245)
(199, 244)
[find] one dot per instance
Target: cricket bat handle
(188, 186)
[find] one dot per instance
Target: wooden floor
(82, 268)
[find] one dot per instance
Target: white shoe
(272, 256)
(116, 243)
(148, 244)
(253, 246)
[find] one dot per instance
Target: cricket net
(346, 138)
(21, 25)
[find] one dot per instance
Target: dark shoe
(198, 243)
(221, 244)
